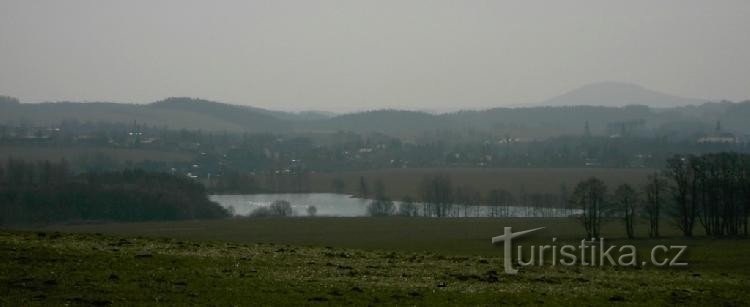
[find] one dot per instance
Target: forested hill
(391, 122)
(531, 122)
(244, 118)
(556, 120)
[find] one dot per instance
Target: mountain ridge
(526, 121)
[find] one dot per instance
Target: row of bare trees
(626, 203)
(439, 197)
(711, 190)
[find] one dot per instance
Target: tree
(563, 199)
(437, 195)
(654, 192)
(499, 201)
(589, 195)
(407, 207)
(338, 185)
(381, 207)
(260, 212)
(626, 200)
(46, 192)
(745, 189)
(466, 197)
(379, 189)
(680, 170)
(281, 208)
(363, 191)
(312, 211)
(719, 191)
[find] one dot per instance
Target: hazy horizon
(346, 56)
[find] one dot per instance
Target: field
(359, 261)
(402, 182)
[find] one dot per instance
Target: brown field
(403, 182)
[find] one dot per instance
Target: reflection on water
(329, 204)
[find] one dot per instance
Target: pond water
(327, 204)
(330, 204)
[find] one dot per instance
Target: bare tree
(589, 195)
(407, 207)
(363, 190)
(382, 205)
(281, 208)
(379, 189)
(680, 170)
(437, 194)
(500, 201)
(626, 200)
(467, 197)
(654, 192)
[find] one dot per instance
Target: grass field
(402, 182)
(347, 261)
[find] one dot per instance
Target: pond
(341, 205)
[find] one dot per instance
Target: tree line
(47, 192)
(438, 196)
(711, 190)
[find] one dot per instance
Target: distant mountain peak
(617, 94)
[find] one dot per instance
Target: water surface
(331, 204)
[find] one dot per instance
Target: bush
(279, 208)
(312, 211)
(261, 212)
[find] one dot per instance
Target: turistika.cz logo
(588, 253)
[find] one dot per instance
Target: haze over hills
(618, 94)
(598, 104)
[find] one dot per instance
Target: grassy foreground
(52, 268)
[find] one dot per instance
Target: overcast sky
(354, 55)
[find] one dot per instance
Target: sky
(357, 55)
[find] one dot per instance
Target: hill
(617, 94)
(392, 122)
(245, 118)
